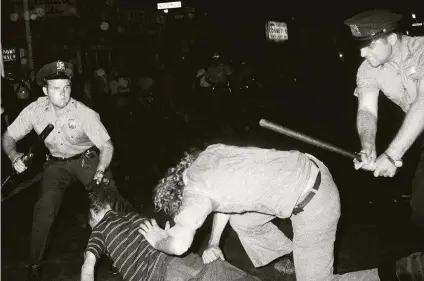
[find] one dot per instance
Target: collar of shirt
(402, 56)
(69, 107)
(107, 214)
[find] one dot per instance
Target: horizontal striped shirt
(116, 235)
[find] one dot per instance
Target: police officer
(394, 64)
(79, 145)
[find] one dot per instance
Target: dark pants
(191, 267)
(57, 176)
(417, 199)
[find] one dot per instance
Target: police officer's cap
(54, 70)
(372, 24)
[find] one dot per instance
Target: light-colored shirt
(232, 179)
(76, 129)
(397, 82)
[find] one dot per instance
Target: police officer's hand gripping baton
(27, 158)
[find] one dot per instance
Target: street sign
(9, 54)
(276, 31)
(169, 5)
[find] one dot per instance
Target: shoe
(285, 265)
(34, 272)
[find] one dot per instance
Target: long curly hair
(168, 193)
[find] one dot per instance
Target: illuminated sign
(9, 54)
(276, 31)
(169, 5)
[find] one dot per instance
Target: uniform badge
(355, 30)
(72, 124)
(60, 66)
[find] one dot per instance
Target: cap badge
(355, 30)
(60, 66)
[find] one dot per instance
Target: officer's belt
(89, 153)
(299, 207)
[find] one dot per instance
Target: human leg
(56, 178)
(261, 239)
(314, 235)
(417, 197)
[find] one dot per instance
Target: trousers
(192, 268)
(314, 234)
(417, 196)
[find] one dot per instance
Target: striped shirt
(116, 235)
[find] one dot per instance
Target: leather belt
(89, 153)
(299, 207)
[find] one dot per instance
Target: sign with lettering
(276, 31)
(47, 8)
(9, 54)
(169, 5)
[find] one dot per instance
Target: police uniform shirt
(76, 129)
(397, 82)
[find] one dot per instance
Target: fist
(17, 163)
(211, 254)
(368, 156)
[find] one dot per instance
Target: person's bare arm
(179, 240)
(213, 251)
(9, 146)
(220, 220)
(366, 120)
(412, 126)
(105, 156)
(87, 270)
(174, 241)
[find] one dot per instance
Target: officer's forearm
(366, 124)
(9, 146)
(411, 128)
(105, 156)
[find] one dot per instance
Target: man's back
(116, 235)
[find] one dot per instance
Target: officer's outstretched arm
(412, 126)
(366, 120)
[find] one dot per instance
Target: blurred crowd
(157, 108)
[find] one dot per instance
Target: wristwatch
(396, 163)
